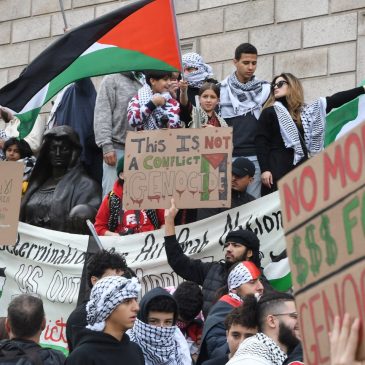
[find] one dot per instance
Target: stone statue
(58, 184)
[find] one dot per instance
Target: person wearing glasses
(278, 330)
(290, 131)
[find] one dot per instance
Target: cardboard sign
(323, 206)
(11, 177)
(191, 165)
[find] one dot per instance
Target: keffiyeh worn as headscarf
(242, 273)
(105, 296)
(239, 98)
(157, 343)
(145, 94)
(203, 72)
(313, 118)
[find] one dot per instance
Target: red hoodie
(128, 221)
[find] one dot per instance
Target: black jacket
(238, 198)
(295, 357)
(48, 356)
(210, 275)
(271, 152)
(75, 323)
(99, 348)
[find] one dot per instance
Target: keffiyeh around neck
(261, 346)
(145, 94)
(105, 296)
(203, 72)
(239, 98)
(157, 343)
(313, 121)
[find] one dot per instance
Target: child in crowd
(156, 333)
(154, 107)
(112, 220)
(19, 150)
(204, 114)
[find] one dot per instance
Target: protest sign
(323, 205)
(11, 177)
(191, 165)
(49, 263)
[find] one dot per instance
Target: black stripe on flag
(60, 54)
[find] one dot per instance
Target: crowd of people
(225, 312)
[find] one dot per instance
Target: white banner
(49, 263)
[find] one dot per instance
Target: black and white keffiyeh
(242, 273)
(203, 72)
(105, 296)
(239, 98)
(145, 94)
(200, 118)
(313, 118)
(259, 346)
(158, 344)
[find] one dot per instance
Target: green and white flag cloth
(343, 119)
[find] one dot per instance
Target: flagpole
(63, 15)
(177, 36)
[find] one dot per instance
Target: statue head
(60, 148)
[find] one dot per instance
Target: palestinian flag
(278, 274)
(139, 36)
(343, 119)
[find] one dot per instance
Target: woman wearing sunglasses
(290, 131)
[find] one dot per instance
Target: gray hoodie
(110, 117)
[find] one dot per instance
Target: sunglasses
(278, 84)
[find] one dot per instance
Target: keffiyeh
(203, 72)
(105, 296)
(260, 346)
(313, 121)
(242, 273)
(145, 95)
(157, 343)
(239, 98)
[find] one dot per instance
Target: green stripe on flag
(338, 118)
(55, 347)
(204, 169)
(282, 284)
(101, 62)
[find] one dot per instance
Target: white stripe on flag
(277, 270)
(360, 118)
(96, 47)
(37, 100)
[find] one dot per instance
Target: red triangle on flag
(215, 159)
(151, 30)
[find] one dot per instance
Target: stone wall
(320, 41)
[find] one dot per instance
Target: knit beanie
(242, 273)
(105, 296)
(244, 237)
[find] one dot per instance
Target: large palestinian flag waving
(138, 36)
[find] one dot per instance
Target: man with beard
(240, 245)
(278, 327)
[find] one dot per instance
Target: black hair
(189, 298)
(244, 48)
(25, 315)
(103, 260)
(270, 303)
(162, 304)
(23, 147)
(3, 334)
(210, 84)
(243, 315)
(157, 75)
